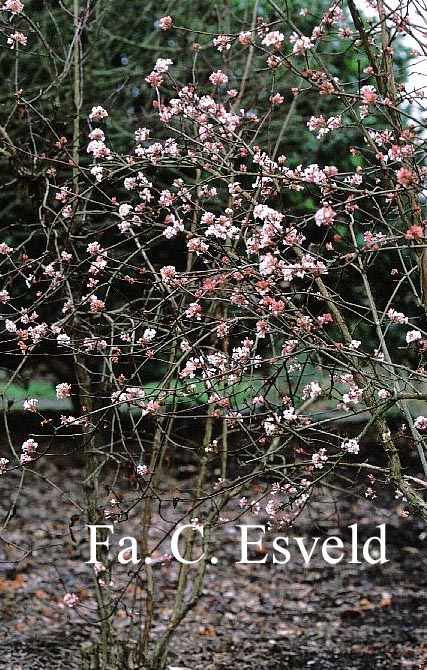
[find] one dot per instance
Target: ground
(251, 616)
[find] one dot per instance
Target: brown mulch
(250, 617)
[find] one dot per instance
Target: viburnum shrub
(212, 298)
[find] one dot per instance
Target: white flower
(29, 446)
(3, 464)
(420, 423)
(10, 326)
(63, 339)
(350, 446)
(319, 459)
(97, 171)
(162, 65)
(312, 390)
(124, 210)
(270, 426)
(289, 415)
(383, 394)
(98, 113)
(149, 334)
(63, 390)
(413, 336)
(98, 567)
(30, 405)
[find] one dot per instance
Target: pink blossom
(353, 396)
(98, 149)
(17, 38)
(154, 79)
(261, 328)
(245, 38)
(406, 177)
(191, 368)
(271, 426)
(301, 44)
(272, 507)
(168, 273)
(396, 317)
(194, 311)
(289, 347)
(197, 245)
(94, 248)
(148, 335)
(132, 394)
(289, 415)
(71, 599)
(323, 319)
(10, 326)
(373, 239)
(97, 134)
(273, 39)
(217, 78)
(316, 122)
(142, 470)
(268, 264)
(325, 215)
(125, 209)
(415, 232)
(276, 99)
(14, 6)
(95, 303)
(369, 94)
(165, 23)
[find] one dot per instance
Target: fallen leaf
(12, 583)
(386, 600)
(207, 631)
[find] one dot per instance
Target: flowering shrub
(203, 276)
